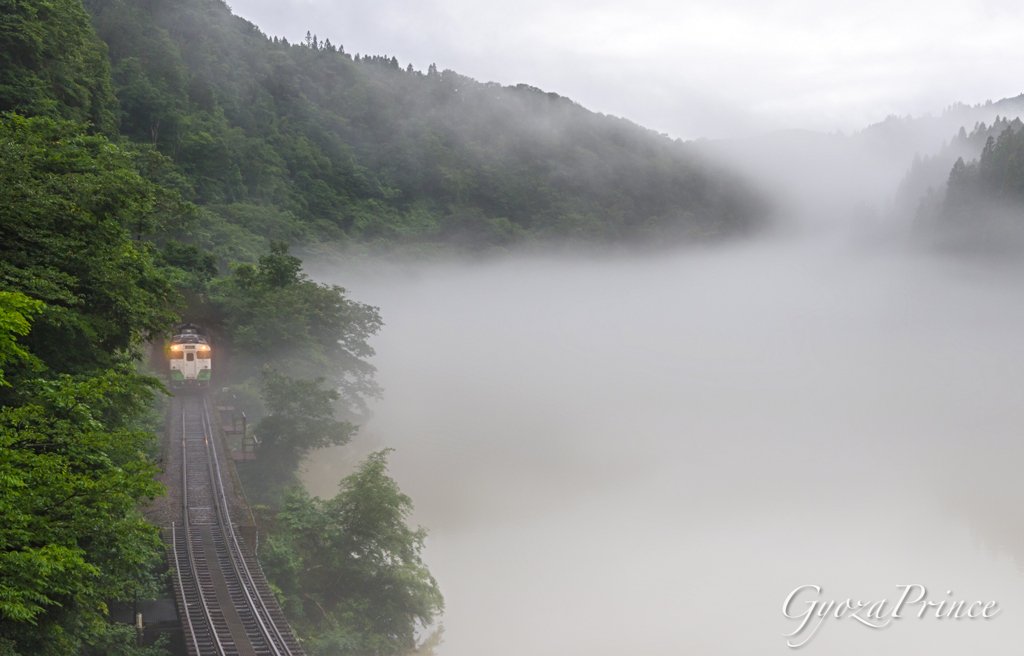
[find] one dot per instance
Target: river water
(646, 455)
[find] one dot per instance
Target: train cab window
(190, 357)
(177, 355)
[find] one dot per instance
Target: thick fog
(852, 181)
(648, 454)
(694, 69)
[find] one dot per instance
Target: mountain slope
(52, 64)
(837, 178)
(306, 143)
(929, 174)
(981, 206)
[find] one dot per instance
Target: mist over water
(647, 454)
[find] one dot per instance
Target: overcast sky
(706, 68)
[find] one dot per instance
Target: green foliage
(983, 204)
(349, 568)
(188, 268)
(929, 173)
(52, 64)
(304, 143)
(120, 640)
(276, 316)
(289, 338)
(15, 312)
(96, 251)
(189, 258)
(67, 203)
(300, 419)
(70, 537)
(72, 462)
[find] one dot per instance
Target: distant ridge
(307, 143)
(867, 175)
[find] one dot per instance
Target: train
(191, 359)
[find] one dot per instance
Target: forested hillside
(853, 177)
(982, 204)
(155, 160)
(78, 295)
(928, 174)
(90, 273)
(82, 289)
(305, 143)
(52, 64)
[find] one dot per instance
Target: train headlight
(175, 348)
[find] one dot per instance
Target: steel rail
(220, 562)
(181, 589)
(235, 555)
(191, 554)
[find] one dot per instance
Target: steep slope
(928, 174)
(52, 64)
(839, 178)
(306, 143)
(981, 206)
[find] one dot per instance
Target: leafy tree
(70, 538)
(189, 258)
(306, 144)
(983, 203)
(15, 312)
(189, 269)
(77, 296)
(300, 419)
(67, 204)
(52, 64)
(349, 568)
(276, 316)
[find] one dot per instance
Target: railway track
(224, 602)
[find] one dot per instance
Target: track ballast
(224, 602)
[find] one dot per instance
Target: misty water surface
(646, 455)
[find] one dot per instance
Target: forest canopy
(349, 568)
(156, 160)
(306, 143)
(78, 296)
(982, 203)
(52, 64)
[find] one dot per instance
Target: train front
(190, 359)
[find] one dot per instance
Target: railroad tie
(224, 600)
